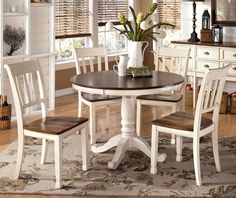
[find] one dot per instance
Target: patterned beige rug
(132, 177)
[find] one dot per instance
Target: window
(108, 11)
(64, 47)
(71, 32)
(73, 25)
(170, 11)
(112, 40)
(67, 13)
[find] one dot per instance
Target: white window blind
(72, 18)
(170, 11)
(109, 9)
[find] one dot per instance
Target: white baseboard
(63, 92)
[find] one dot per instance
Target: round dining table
(109, 83)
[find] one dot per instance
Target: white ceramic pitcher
(136, 53)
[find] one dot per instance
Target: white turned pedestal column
(128, 138)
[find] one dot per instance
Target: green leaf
(117, 29)
(135, 19)
(152, 37)
(131, 30)
(124, 32)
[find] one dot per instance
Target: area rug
(131, 178)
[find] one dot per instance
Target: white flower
(139, 17)
(162, 34)
(154, 18)
(144, 25)
(109, 26)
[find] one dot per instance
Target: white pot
(136, 53)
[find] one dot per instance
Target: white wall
(229, 34)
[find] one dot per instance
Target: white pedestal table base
(128, 139)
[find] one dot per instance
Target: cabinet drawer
(204, 65)
(228, 54)
(232, 70)
(207, 53)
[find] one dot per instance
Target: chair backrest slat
(27, 87)
(20, 89)
(99, 63)
(35, 88)
(95, 57)
(84, 65)
(207, 95)
(91, 64)
(210, 95)
(214, 90)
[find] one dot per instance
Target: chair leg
(196, 160)
(20, 151)
(179, 147)
(173, 110)
(154, 150)
(138, 117)
(183, 101)
(58, 161)
(216, 149)
(80, 106)
(44, 151)
(84, 144)
(92, 124)
(107, 117)
(154, 113)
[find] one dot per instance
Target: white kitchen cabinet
(209, 55)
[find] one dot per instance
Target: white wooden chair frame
(166, 60)
(23, 99)
(85, 57)
(209, 100)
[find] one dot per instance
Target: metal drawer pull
(206, 53)
(207, 66)
(234, 55)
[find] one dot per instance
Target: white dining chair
(195, 126)
(90, 60)
(28, 91)
(173, 60)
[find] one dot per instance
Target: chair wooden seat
(98, 97)
(54, 125)
(162, 97)
(181, 121)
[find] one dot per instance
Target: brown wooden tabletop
(110, 80)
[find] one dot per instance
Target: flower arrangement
(142, 26)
